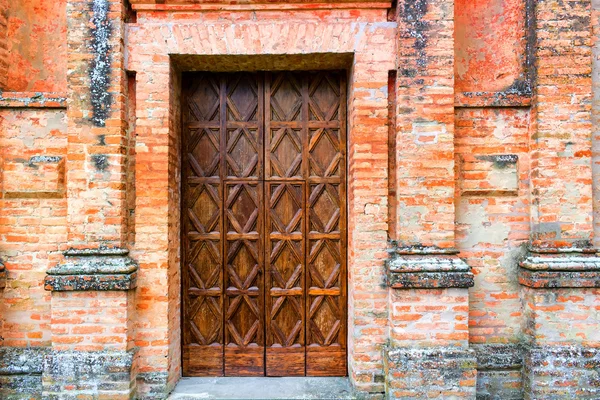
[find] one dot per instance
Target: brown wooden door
(264, 224)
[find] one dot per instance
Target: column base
(74, 374)
(431, 269)
(93, 269)
(21, 372)
(153, 385)
(499, 368)
(437, 373)
(561, 372)
(562, 355)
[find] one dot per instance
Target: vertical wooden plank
(244, 223)
(326, 208)
(285, 266)
(201, 229)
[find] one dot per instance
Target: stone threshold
(288, 388)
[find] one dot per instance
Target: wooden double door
(264, 224)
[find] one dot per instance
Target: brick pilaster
(561, 167)
(92, 297)
(429, 353)
(425, 123)
(96, 123)
(561, 276)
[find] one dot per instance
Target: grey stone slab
(262, 388)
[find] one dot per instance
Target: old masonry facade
(404, 193)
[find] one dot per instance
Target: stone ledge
(420, 271)
(93, 269)
(560, 271)
(33, 100)
(435, 357)
(430, 280)
(22, 360)
(494, 357)
(64, 283)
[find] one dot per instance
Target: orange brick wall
(481, 160)
(33, 223)
(91, 321)
(493, 225)
(432, 317)
(37, 46)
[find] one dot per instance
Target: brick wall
(425, 123)
(426, 318)
(483, 155)
(560, 146)
(32, 219)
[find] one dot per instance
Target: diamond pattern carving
(205, 311)
(204, 158)
(286, 209)
(242, 152)
(204, 212)
(324, 99)
(325, 211)
(286, 100)
(263, 241)
(286, 153)
(325, 323)
(204, 101)
(324, 156)
(242, 99)
(286, 320)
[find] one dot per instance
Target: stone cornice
(427, 268)
(93, 269)
(560, 270)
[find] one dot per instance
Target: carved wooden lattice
(264, 224)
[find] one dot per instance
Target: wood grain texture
(264, 224)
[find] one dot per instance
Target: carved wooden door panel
(264, 224)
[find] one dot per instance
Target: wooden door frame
(344, 97)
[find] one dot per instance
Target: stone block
(434, 373)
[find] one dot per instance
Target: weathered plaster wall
(493, 215)
(37, 46)
(490, 44)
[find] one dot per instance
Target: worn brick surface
(493, 224)
(459, 147)
(32, 224)
(35, 42)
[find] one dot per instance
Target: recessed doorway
(264, 270)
